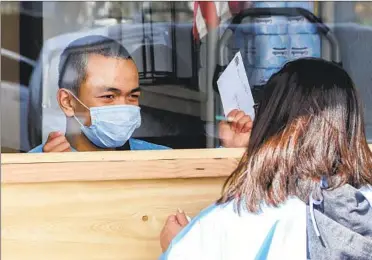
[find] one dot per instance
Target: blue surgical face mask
(111, 126)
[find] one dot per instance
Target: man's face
(109, 81)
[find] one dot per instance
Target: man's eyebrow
(110, 89)
(118, 91)
(135, 90)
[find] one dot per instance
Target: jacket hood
(344, 221)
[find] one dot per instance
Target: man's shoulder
(136, 144)
(37, 149)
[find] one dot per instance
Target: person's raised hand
(56, 142)
(235, 132)
(182, 218)
(173, 225)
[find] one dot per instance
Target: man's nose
(122, 100)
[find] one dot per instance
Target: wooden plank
(33, 158)
(111, 220)
(126, 170)
(52, 207)
(30, 158)
(100, 166)
(108, 205)
(104, 166)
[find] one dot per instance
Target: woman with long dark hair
(302, 189)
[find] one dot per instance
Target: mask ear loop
(72, 94)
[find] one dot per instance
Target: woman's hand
(236, 134)
(173, 225)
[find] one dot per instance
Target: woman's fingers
(244, 124)
(170, 230)
(181, 218)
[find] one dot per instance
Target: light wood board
(95, 220)
(101, 166)
(104, 205)
(96, 206)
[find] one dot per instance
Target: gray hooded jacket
(344, 221)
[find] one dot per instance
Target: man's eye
(108, 96)
(134, 95)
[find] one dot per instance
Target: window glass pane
(363, 12)
(353, 30)
(176, 62)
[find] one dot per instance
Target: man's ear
(66, 102)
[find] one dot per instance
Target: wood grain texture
(109, 156)
(101, 166)
(110, 220)
(108, 205)
(103, 206)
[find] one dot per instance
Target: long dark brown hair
(309, 124)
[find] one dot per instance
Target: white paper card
(234, 88)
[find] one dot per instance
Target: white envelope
(234, 88)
